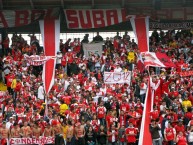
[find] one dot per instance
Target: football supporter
(79, 93)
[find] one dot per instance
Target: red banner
(94, 18)
(16, 18)
(50, 30)
(141, 29)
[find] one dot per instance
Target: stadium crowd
(82, 110)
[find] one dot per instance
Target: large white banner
(92, 48)
(117, 77)
(24, 141)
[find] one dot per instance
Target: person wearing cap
(79, 133)
(10, 122)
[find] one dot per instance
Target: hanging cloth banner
(17, 18)
(140, 27)
(50, 31)
(93, 18)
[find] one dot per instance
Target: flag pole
(46, 107)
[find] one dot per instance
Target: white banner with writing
(117, 77)
(92, 48)
(28, 141)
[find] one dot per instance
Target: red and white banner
(141, 30)
(117, 77)
(36, 60)
(50, 31)
(16, 18)
(93, 18)
(186, 73)
(157, 60)
(145, 136)
(28, 141)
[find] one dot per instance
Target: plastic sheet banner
(117, 77)
(28, 141)
(92, 49)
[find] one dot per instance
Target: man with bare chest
(15, 131)
(48, 132)
(36, 131)
(58, 133)
(70, 133)
(4, 134)
(79, 133)
(26, 130)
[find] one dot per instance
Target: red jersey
(122, 120)
(179, 128)
(124, 107)
(154, 114)
(101, 110)
(9, 79)
(109, 120)
(131, 133)
(181, 140)
(170, 132)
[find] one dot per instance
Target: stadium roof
(159, 10)
(73, 4)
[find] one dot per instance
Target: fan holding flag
(140, 27)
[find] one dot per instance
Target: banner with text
(92, 49)
(170, 25)
(23, 141)
(117, 77)
(93, 18)
(36, 60)
(16, 18)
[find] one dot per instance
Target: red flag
(141, 30)
(157, 60)
(50, 31)
(145, 136)
(140, 64)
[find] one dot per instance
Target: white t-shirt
(41, 92)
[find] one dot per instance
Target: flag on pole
(50, 31)
(145, 135)
(157, 60)
(140, 27)
(140, 63)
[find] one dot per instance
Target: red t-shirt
(10, 78)
(131, 138)
(169, 132)
(181, 140)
